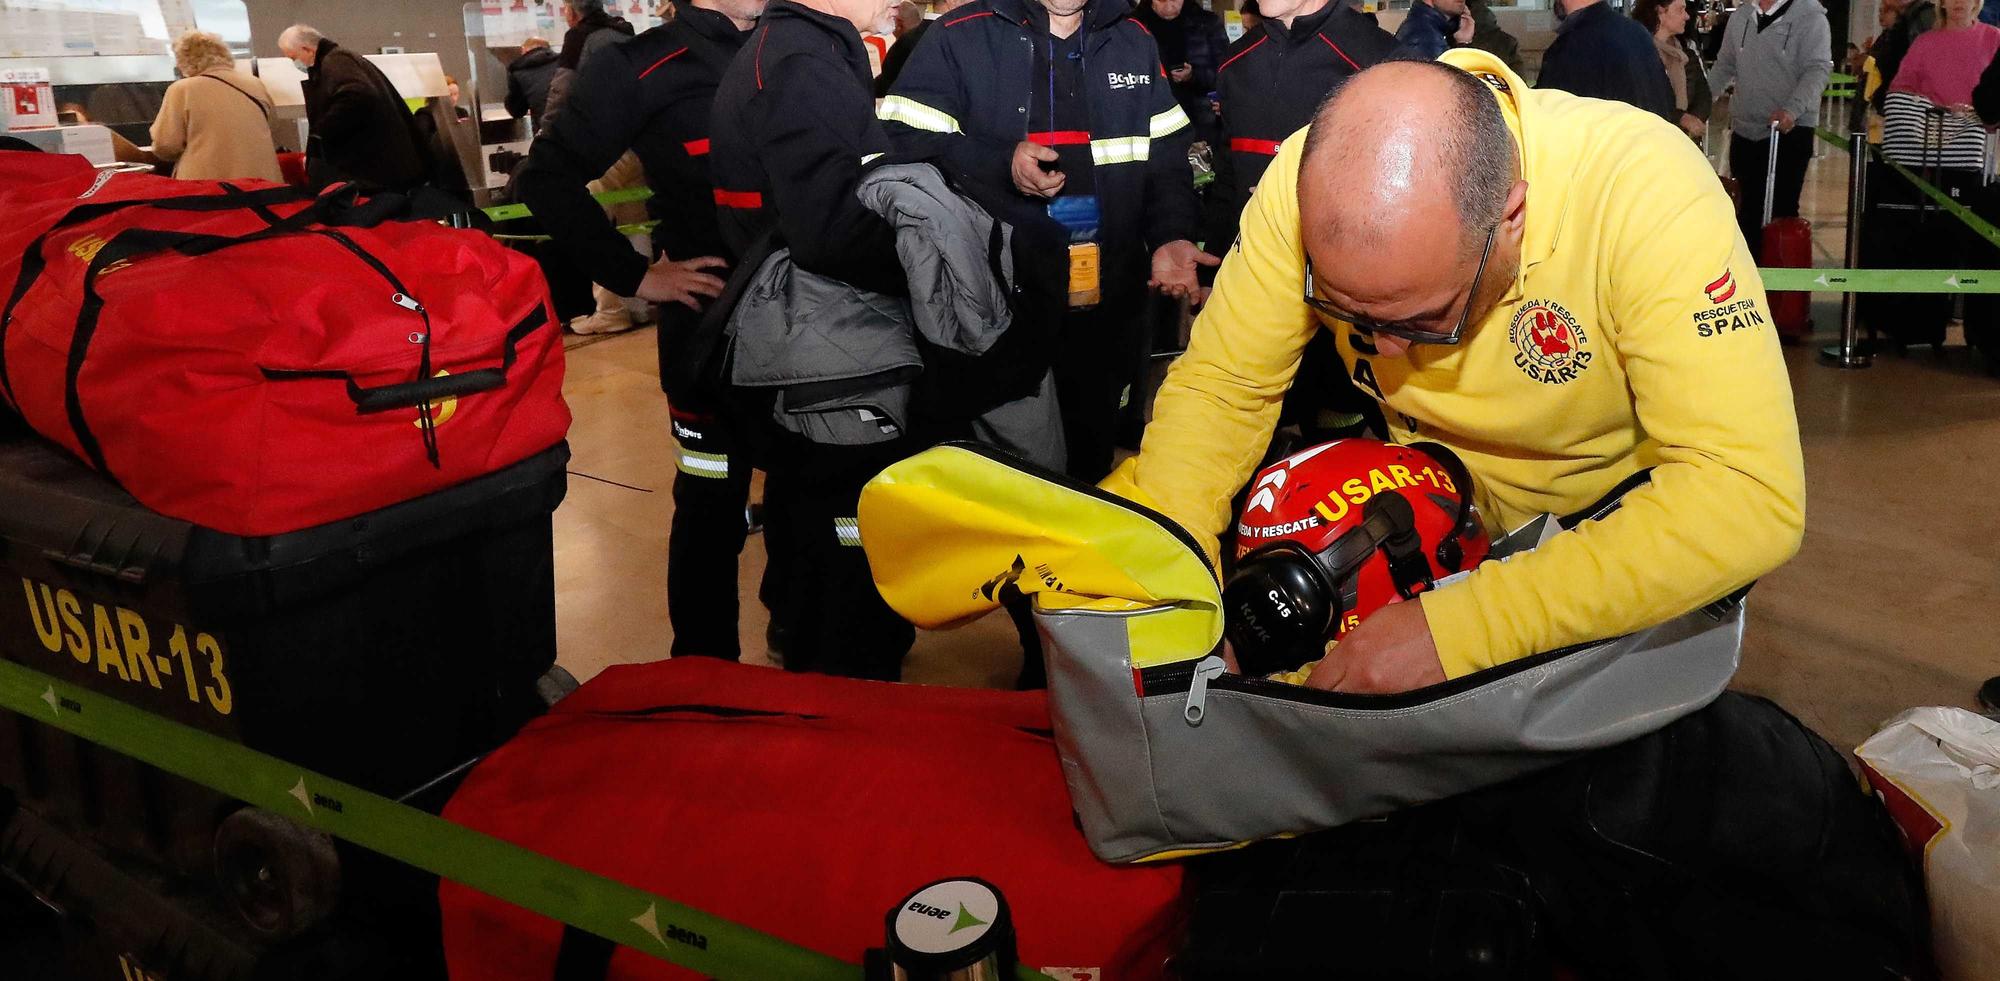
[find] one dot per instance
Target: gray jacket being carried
(844, 359)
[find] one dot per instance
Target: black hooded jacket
(360, 128)
(651, 95)
(528, 79)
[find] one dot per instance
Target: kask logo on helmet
(1274, 477)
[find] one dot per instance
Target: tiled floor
(1894, 601)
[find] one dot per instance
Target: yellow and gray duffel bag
(1167, 754)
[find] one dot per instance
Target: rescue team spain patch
(1549, 345)
(1724, 316)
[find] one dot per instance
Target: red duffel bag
(256, 360)
(802, 806)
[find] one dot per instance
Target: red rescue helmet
(1333, 533)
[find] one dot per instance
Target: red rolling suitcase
(1787, 244)
(803, 806)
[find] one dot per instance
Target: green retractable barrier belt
(509, 212)
(1882, 280)
(1980, 226)
(644, 226)
(627, 916)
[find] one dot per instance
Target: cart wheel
(555, 685)
(279, 877)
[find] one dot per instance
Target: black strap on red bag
(137, 243)
(337, 206)
(232, 198)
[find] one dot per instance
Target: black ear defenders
(1284, 600)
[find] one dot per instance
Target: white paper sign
(26, 99)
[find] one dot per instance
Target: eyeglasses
(1412, 334)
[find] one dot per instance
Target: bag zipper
(1205, 670)
(1184, 676)
(426, 420)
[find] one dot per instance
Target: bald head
(1404, 146)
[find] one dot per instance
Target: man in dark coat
(592, 28)
(528, 79)
(361, 129)
(586, 18)
(1191, 44)
(1603, 54)
(1436, 26)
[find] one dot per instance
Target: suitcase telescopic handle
(381, 398)
(1771, 174)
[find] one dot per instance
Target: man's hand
(1693, 125)
(1181, 74)
(1785, 120)
(1174, 270)
(1466, 28)
(668, 281)
(1029, 177)
(1390, 652)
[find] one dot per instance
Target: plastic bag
(1938, 772)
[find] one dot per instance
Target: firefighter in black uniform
(794, 126)
(1270, 83)
(1047, 105)
(652, 95)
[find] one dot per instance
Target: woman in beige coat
(215, 122)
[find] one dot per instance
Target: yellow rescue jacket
(1636, 335)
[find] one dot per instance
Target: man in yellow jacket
(1554, 288)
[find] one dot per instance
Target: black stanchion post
(1848, 353)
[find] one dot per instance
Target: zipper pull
(1205, 669)
(407, 302)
